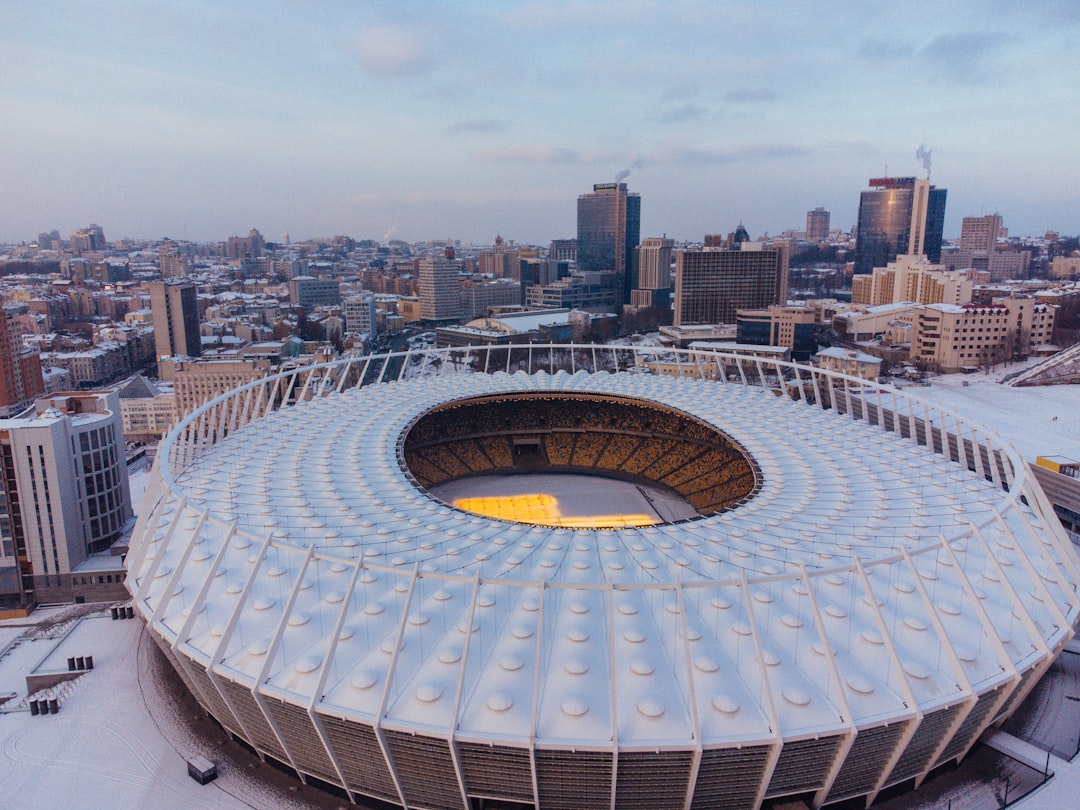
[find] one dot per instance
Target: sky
(421, 119)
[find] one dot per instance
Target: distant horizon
(295, 239)
(414, 119)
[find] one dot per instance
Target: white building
(360, 314)
(65, 482)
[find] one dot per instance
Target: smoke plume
(923, 154)
(622, 175)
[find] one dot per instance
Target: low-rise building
(850, 361)
(953, 338)
(792, 327)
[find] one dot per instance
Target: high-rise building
(440, 288)
(175, 313)
(654, 264)
(901, 215)
(20, 370)
(360, 314)
(171, 262)
(712, 285)
(980, 233)
(652, 273)
(89, 238)
(251, 246)
(501, 260)
(817, 224)
(609, 227)
(914, 279)
(65, 491)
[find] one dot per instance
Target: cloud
(885, 49)
(393, 52)
(682, 92)
(692, 156)
(750, 95)
(477, 125)
(570, 13)
(531, 154)
(683, 113)
(969, 58)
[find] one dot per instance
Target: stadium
(857, 585)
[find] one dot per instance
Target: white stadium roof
(869, 583)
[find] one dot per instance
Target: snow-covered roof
(841, 353)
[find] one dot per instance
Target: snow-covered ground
(1040, 421)
(120, 738)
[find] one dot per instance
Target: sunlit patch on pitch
(543, 509)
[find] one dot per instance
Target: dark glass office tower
(902, 215)
(609, 228)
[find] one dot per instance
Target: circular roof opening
(671, 466)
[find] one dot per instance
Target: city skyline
(421, 121)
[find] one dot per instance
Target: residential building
(817, 224)
(251, 246)
(440, 288)
(1063, 267)
(609, 228)
(850, 361)
(20, 369)
(65, 494)
(980, 233)
(360, 314)
(900, 215)
(712, 285)
(652, 273)
(175, 314)
(308, 292)
(502, 260)
(912, 278)
(90, 238)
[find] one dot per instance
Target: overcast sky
(434, 119)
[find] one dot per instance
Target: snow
(1039, 420)
(117, 740)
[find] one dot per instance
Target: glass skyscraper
(608, 230)
(902, 215)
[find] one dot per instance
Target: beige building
(954, 338)
(146, 412)
(1065, 267)
(870, 323)
(196, 382)
(440, 289)
(409, 309)
(912, 278)
(850, 361)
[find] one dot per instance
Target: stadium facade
(872, 581)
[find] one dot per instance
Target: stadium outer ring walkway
(896, 584)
